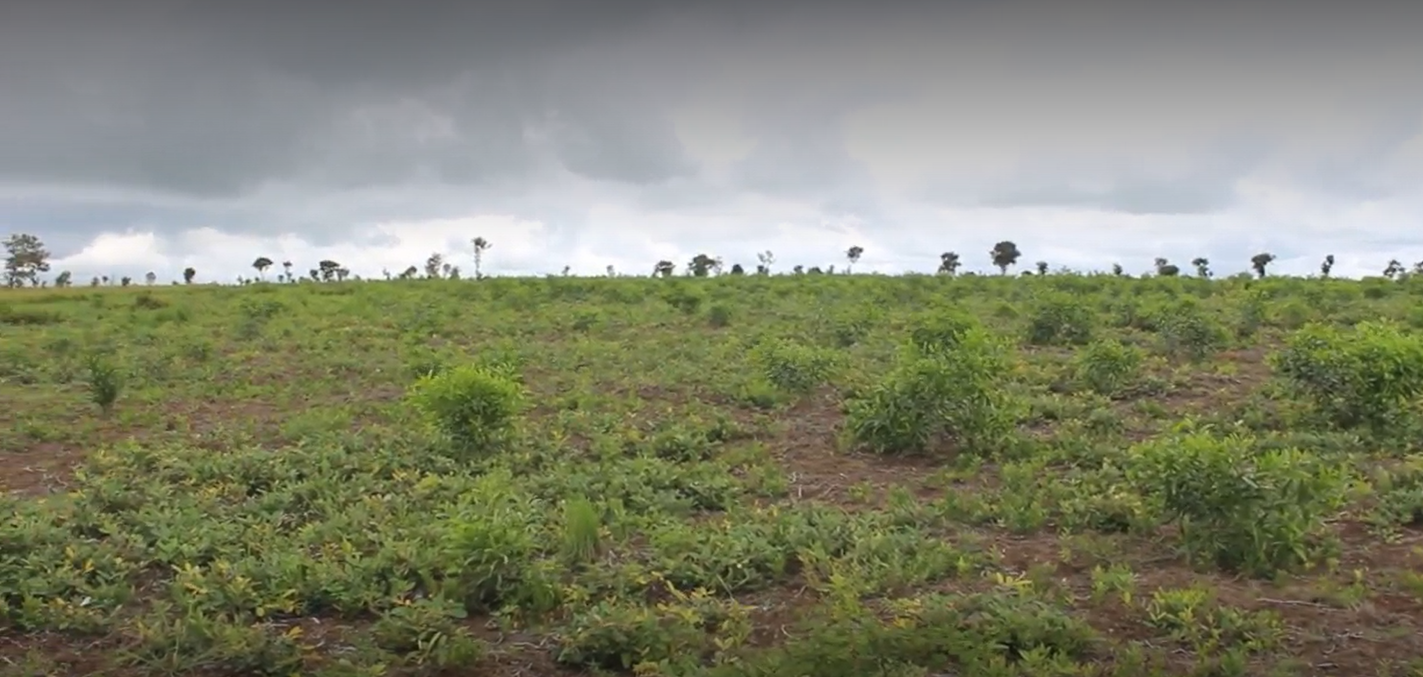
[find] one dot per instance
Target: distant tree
(1203, 267)
(853, 254)
(26, 257)
(1165, 268)
(447, 269)
(700, 265)
(314, 275)
(262, 264)
(814, 270)
(105, 278)
(1260, 261)
(125, 280)
(188, 274)
(949, 263)
(567, 270)
(611, 271)
(150, 278)
(328, 269)
(453, 273)
(1042, 267)
(432, 266)
(287, 268)
(1393, 269)
(63, 279)
(664, 268)
(1418, 268)
(1326, 266)
(766, 258)
(1117, 270)
(798, 269)
(94, 282)
(1005, 254)
(409, 273)
(342, 273)
(480, 246)
(736, 269)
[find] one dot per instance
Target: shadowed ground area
(737, 475)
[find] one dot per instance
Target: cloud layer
(157, 134)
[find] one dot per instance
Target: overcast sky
(158, 134)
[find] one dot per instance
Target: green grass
(772, 476)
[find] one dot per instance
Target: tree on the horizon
(480, 246)
(64, 279)
(1393, 269)
(328, 269)
(1203, 267)
(1042, 267)
(664, 268)
(150, 278)
(1326, 266)
(1260, 261)
(701, 265)
(1005, 254)
(287, 268)
(736, 269)
(766, 258)
(432, 266)
(1117, 270)
(853, 254)
(188, 274)
(798, 269)
(949, 263)
(1165, 268)
(262, 264)
(25, 258)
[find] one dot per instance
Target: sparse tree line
(27, 258)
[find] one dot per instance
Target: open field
(714, 477)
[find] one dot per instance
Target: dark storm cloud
(316, 118)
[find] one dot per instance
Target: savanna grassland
(823, 475)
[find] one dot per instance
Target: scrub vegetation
(720, 476)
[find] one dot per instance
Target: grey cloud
(321, 118)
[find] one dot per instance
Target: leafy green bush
(941, 330)
(105, 382)
(719, 315)
(1237, 506)
(1365, 376)
(1059, 319)
(937, 393)
(1108, 366)
(1188, 331)
(793, 366)
(474, 408)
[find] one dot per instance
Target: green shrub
(1365, 376)
(105, 382)
(793, 366)
(1187, 331)
(1108, 366)
(940, 330)
(934, 394)
(1060, 320)
(1237, 506)
(472, 407)
(719, 315)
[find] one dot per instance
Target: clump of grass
(581, 524)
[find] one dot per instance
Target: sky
(153, 135)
